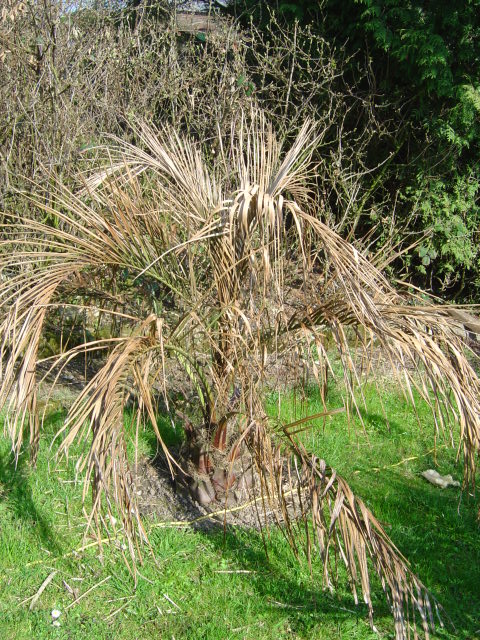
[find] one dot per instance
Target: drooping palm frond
(225, 267)
(333, 522)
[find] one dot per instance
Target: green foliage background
(423, 82)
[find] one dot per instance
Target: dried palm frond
(226, 268)
(342, 527)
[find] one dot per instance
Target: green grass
(41, 522)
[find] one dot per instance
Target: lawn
(218, 585)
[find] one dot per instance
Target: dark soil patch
(171, 501)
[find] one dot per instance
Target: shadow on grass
(439, 538)
(438, 531)
(379, 423)
(17, 494)
(286, 588)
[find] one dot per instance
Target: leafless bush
(72, 74)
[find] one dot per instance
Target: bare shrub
(72, 74)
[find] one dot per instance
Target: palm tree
(220, 263)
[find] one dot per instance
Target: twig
(162, 525)
(87, 592)
(234, 571)
(42, 588)
(397, 464)
(120, 598)
(287, 606)
(165, 595)
(74, 551)
(114, 613)
(213, 514)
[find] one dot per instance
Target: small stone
(219, 480)
(200, 493)
(438, 480)
(231, 501)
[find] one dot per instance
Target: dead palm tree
(223, 265)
